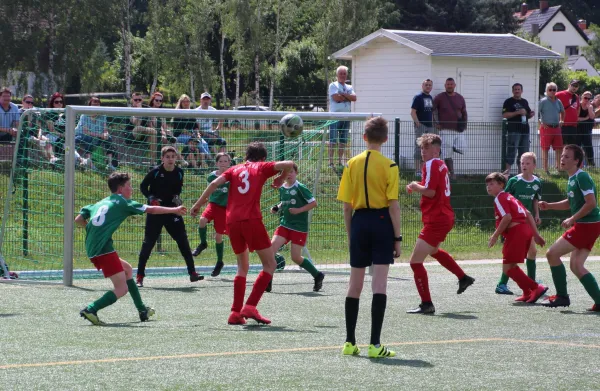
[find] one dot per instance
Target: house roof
(571, 60)
(456, 45)
(543, 18)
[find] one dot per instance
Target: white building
(580, 63)
(388, 67)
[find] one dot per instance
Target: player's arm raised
(164, 210)
(284, 169)
(560, 205)
(221, 180)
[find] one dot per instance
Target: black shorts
(5, 138)
(371, 238)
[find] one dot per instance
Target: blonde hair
(548, 85)
(529, 155)
(341, 68)
(588, 93)
(181, 99)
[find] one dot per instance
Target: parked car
(254, 124)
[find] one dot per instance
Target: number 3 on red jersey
(244, 178)
(447, 190)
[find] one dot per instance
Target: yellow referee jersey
(369, 181)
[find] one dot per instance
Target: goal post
(46, 244)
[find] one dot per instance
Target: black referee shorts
(371, 238)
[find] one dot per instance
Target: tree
(592, 52)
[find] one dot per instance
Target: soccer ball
(280, 261)
(291, 125)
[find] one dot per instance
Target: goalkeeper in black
(162, 187)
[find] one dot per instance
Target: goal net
(62, 159)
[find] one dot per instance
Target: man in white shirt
(210, 136)
(340, 97)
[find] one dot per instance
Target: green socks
(309, 267)
(107, 299)
(218, 247)
(135, 295)
(559, 276)
(530, 268)
(503, 279)
(202, 232)
(591, 286)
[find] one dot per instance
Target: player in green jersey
(215, 211)
(583, 228)
(527, 188)
(295, 202)
(101, 220)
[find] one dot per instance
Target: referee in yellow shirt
(369, 187)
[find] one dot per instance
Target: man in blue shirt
(340, 97)
(9, 117)
(421, 112)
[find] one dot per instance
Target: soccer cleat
(524, 297)
(537, 293)
(196, 277)
(201, 247)
(557, 301)
(146, 314)
(423, 308)
(92, 316)
(464, 283)
(280, 262)
(350, 349)
(217, 270)
(595, 308)
(502, 289)
(380, 352)
(139, 280)
(269, 287)
(318, 282)
(236, 319)
(250, 312)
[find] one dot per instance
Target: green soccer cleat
(146, 314)
(92, 316)
(350, 349)
(380, 352)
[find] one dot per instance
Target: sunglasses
(58, 101)
(29, 102)
(158, 100)
(586, 98)
(137, 100)
(551, 89)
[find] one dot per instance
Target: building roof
(543, 18)
(456, 45)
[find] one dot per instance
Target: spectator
(160, 124)
(451, 120)
(210, 136)
(55, 126)
(192, 154)
(9, 117)
(340, 98)
(33, 130)
(141, 128)
(421, 112)
(187, 128)
(517, 111)
(585, 125)
(552, 114)
(596, 104)
(570, 102)
(91, 132)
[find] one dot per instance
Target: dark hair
(450, 79)
(116, 180)
(517, 84)
(55, 96)
(256, 152)
(496, 176)
(167, 149)
(429, 139)
(220, 155)
(92, 98)
(5, 90)
(376, 130)
(136, 94)
(577, 153)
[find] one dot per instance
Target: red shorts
(583, 235)
(550, 137)
(517, 240)
(296, 237)
(216, 213)
(434, 234)
(110, 264)
(248, 234)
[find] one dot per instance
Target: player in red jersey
(438, 220)
(245, 227)
(517, 225)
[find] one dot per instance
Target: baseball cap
(574, 81)
(205, 95)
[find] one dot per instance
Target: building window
(572, 50)
(558, 27)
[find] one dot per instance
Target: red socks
(448, 262)
(261, 283)
(239, 291)
(524, 282)
(422, 281)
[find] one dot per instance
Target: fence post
(504, 136)
(397, 141)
